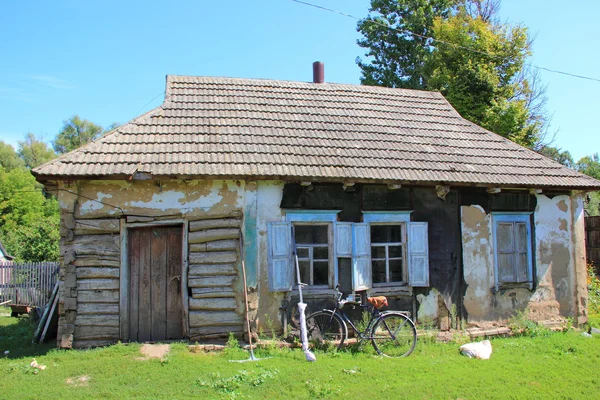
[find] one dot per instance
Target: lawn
(560, 365)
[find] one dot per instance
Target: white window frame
(390, 218)
(387, 245)
(318, 217)
(311, 247)
(516, 217)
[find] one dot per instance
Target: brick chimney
(318, 72)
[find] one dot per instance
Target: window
(313, 238)
(386, 253)
(387, 249)
(512, 249)
(312, 246)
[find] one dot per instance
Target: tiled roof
(236, 128)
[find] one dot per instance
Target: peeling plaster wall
(558, 262)
(268, 200)
(157, 198)
(92, 267)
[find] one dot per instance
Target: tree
(34, 152)
(9, 159)
(590, 165)
(478, 74)
(29, 221)
(460, 49)
(75, 133)
(563, 157)
(397, 39)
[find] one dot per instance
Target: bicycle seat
(378, 302)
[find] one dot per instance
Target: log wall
(89, 307)
(214, 254)
(89, 298)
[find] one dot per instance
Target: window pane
(385, 233)
(378, 271)
(320, 273)
(321, 253)
(395, 270)
(311, 234)
(522, 267)
(345, 275)
(304, 271)
(395, 251)
(377, 252)
(521, 238)
(504, 237)
(506, 268)
(302, 252)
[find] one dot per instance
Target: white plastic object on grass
(481, 350)
(304, 337)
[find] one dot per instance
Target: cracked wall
(557, 264)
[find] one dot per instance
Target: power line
(144, 106)
(408, 32)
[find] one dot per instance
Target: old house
(389, 191)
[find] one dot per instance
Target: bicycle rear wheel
(394, 335)
(326, 328)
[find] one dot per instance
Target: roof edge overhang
(507, 186)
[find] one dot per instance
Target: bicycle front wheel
(394, 335)
(326, 328)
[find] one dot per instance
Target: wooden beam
(199, 319)
(98, 296)
(97, 309)
(212, 292)
(213, 257)
(210, 281)
(212, 269)
(97, 272)
(97, 320)
(214, 223)
(97, 284)
(212, 235)
(214, 304)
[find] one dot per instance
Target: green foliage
(34, 152)
(397, 58)
(523, 367)
(75, 133)
(590, 166)
(232, 342)
(28, 220)
(522, 325)
(476, 62)
(563, 157)
(9, 159)
(593, 292)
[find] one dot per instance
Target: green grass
(561, 365)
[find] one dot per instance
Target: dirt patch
(79, 381)
(154, 351)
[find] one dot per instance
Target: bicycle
(392, 333)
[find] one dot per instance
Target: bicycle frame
(375, 315)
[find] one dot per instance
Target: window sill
(510, 286)
(314, 292)
(399, 289)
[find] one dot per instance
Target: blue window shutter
(361, 257)
(418, 254)
(343, 239)
(281, 273)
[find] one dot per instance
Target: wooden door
(155, 300)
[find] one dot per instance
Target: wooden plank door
(155, 300)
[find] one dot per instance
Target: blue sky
(107, 60)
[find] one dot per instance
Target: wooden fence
(592, 240)
(27, 283)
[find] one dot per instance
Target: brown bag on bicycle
(378, 302)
